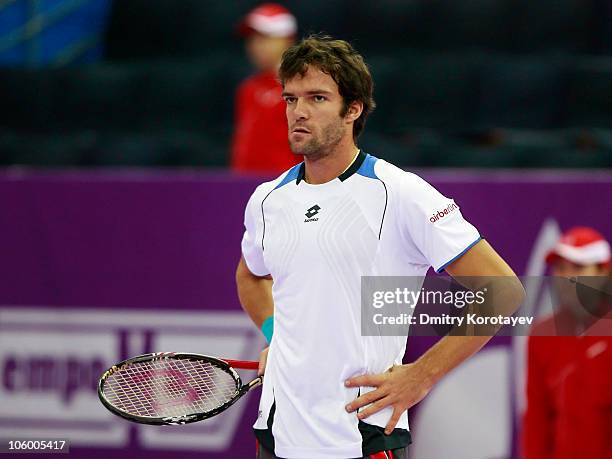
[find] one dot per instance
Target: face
(265, 52)
(566, 268)
(588, 299)
(314, 105)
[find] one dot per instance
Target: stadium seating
(590, 93)
(480, 83)
(521, 92)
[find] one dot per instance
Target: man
(569, 378)
(260, 134)
(310, 236)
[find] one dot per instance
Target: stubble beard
(317, 148)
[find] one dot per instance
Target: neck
(324, 168)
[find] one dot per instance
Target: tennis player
(310, 235)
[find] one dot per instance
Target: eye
(289, 99)
(319, 98)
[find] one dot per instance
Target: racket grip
(242, 364)
(256, 382)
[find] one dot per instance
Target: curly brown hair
(339, 60)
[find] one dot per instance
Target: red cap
(269, 19)
(581, 245)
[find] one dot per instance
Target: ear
(354, 111)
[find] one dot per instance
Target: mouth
(300, 130)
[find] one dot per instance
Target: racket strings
(169, 387)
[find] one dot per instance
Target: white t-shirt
(316, 241)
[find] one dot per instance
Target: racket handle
(242, 364)
(256, 382)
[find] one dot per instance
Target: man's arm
(255, 294)
(405, 385)
(475, 270)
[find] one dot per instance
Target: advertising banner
(101, 266)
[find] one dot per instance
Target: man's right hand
(263, 358)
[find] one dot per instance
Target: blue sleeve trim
(443, 267)
(367, 168)
(267, 328)
(291, 176)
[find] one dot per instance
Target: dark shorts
(399, 453)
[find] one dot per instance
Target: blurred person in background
(569, 376)
(260, 134)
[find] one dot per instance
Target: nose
(300, 111)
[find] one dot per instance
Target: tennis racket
(168, 388)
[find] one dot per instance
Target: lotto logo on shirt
(310, 213)
(443, 213)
